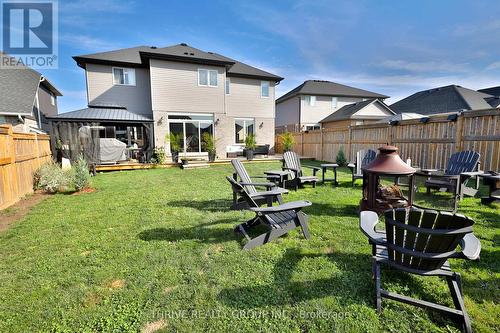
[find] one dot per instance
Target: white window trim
(121, 84)
(228, 80)
(208, 77)
(268, 89)
(245, 130)
(185, 152)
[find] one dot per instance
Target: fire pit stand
(378, 197)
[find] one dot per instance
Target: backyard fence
(21, 154)
(428, 142)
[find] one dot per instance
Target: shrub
(159, 156)
(288, 141)
(81, 175)
(51, 178)
(341, 160)
(250, 142)
(208, 142)
(175, 141)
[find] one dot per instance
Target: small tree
(250, 142)
(175, 141)
(208, 143)
(288, 141)
(81, 175)
(341, 160)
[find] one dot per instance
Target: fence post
(13, 170)
(391, 127)
(321, 143)
(301, 143)
(459, 142)
(349, 134)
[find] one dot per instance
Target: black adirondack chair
(363, 158)
(278, 220)
(420, 242)
(461, 167)
(270, 195)
(297, 178)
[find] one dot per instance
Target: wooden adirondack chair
(363, 158)
(297, 178)
(278, 220)
(270, 195)
(420, 242)
(461, 167)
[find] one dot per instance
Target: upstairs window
(310, 100)
(264, 88)
(334, 102)
(207, 77)
(228, 86)
(52, 99)
(124, 76)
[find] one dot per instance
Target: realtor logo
(29, 33)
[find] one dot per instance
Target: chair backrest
(237, 188)
(292, 161)
(363, 158)
(462, 161)
(423, 239)
(243, 175)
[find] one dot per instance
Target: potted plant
(250, 145)
(175, 141)
(288, 141)
(208, 143)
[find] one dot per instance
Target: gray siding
(287, 112)
(45, 103)
(100, 88)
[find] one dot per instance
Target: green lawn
(156, 248)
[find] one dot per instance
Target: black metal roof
(446, 99)
(328, 88)
(140, 55)
(347, 111)
(102, 113)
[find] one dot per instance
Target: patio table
(493, 181)
(283, 176)
(324, 168)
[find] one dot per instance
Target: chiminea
(378, 197)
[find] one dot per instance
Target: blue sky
(391, 47)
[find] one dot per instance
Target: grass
(154, 250)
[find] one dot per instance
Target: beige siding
(323, 108)
(175, 88)
(100, 87)
(287, 112)
(374, 111)
(245, 99)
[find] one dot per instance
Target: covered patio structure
(106, 135)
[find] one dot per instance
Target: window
(310, 100)
(312, 127)
(190, 128)
(334, 102)
(52, 99)
(207, 77)
(124, 76)
(242, 128)
(228, 86)
(264, 88)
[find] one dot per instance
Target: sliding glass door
(191, 129)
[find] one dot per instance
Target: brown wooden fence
(21, 154)
(428, 145)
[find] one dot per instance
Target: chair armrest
(437, 175)
(259, 184)
(274, 192)
(290, 169)
(471, 173)
(351, 165)
(471, 247)
(294, 205)
(367, 222)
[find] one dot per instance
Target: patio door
(191, 129)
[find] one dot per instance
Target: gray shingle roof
(18, 88)
(446, 99)
(102, 114)
(138, 56)
(495, 91)
(328, 88)
(346, 112)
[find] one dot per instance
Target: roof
(347, 111)
(446, 99)
(140, 55)
(401, 116)
(18, 87)
(102, 113)
(495, 91)
(328, 88)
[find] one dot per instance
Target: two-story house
(182, 90)
(26, 98)
(303, 107)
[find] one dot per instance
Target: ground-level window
(190, 128)
(124, 76)
(242, 128)
(312, 127)
(131, 135)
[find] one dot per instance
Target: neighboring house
(181, 90)
(302, 108)
(359, 113)
(446, 99)
(401, 116)
(26, 98)
(495, 92)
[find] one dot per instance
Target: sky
(394, 48)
